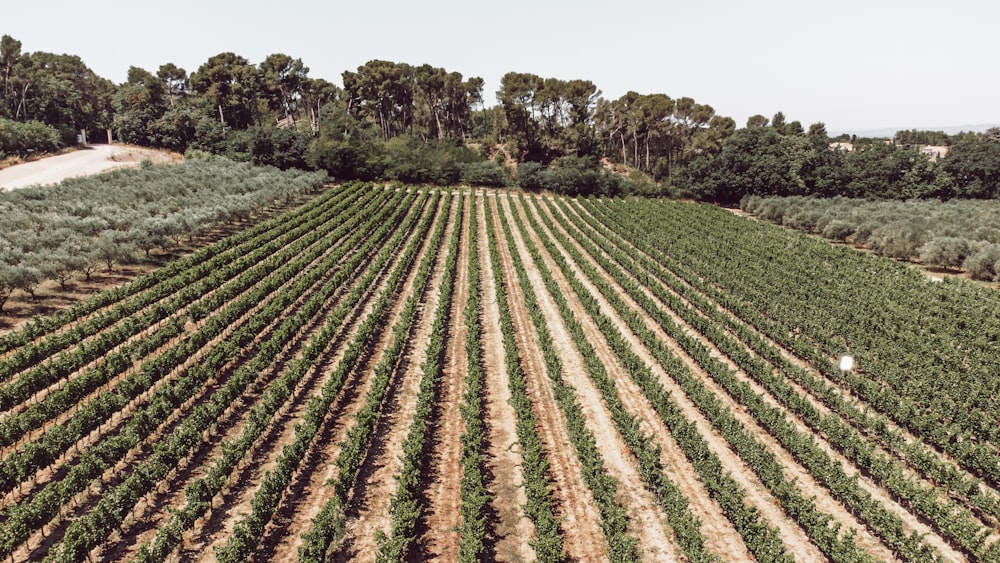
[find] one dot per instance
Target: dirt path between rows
(583, 538)
(514, 530)
(377, 482)
(870, 418)
(647, 521)
(309, 489)
(443, 468)
(824, 498)
(757, 494)
(90, 496)
(720, 535)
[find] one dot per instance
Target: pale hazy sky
(853, 64)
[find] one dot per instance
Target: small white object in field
(935, 279)
(846, 363)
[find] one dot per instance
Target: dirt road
(92, 160)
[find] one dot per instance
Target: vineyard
(410, 374)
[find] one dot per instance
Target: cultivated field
(466, 374)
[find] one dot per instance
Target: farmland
(388, 373)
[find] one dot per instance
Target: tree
(282, 81)
(150, 233)
(345, 148)
(381, 92)
(915, 137)
(177, 128)
(945, 252)
(61, 264)
(140, 101)
(26, 278)
(757, 120)
(232, 85)
(10, 54)
(58, 90)
(316, 93)
(984, 262)
(22, 138)
(517, 98)
(778, 122)
(886, 171)
(822, 169)
(974, 165)
(638, 127)
(269, 146)
(753, 161)
(708, 141)
(899, 239)
(8, 282)
(175, 79)
(112, 247)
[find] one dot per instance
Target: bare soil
(371, 497)
(583, 538)
(442, 515)
(647, 521)
(794, 537)
(719, 533)
(309, 489)
(912, 522)
(513, 529)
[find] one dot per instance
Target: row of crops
(669, 389)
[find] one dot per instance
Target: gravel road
(92, 160)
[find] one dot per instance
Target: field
(483, 375)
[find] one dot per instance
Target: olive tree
(983, 264)
(945, 252)
(113, 247)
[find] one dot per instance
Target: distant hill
(889, 132)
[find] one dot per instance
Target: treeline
(390, 120)
(84, 224)
(777, 159)
(427, 125)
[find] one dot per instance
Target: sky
(855, 65)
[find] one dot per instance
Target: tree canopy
(543, 132)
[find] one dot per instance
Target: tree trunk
(635, 148)
(437, 119)
(20, 103)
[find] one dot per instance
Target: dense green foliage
(24, 138)
(955, 519)
(767, 160)
(416, 124)
(57, 90)
(952, 235)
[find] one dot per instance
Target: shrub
(751, 203)
(21, 139)
(984, 263)
(837, 229)
(945, 252)
(897, 240)
(529, 176)
(487, 173)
